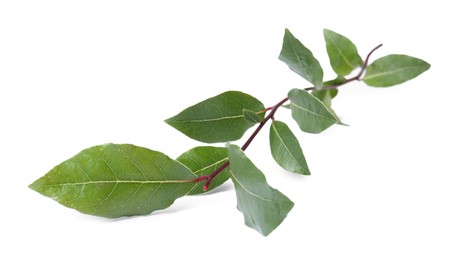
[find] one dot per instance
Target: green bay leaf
(204, 160)
(217, 119)
(116, 180)
(309, 112)
(344, 57)
(301, 60)
(251, 116)
(264, 207)
(286, 149)
(394, 69)
(326, 96)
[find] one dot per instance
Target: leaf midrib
(342, 54)
(115, 182)
(282, 141)
(390, 72)
(247, 190)
(304, 109)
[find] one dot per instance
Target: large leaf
(204, 160)
(344, 57)
(394, 69)
(264, 208)
(286, 149)
(309, 112)
(217, 119)
(116, 180)
(301, 60)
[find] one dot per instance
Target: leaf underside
(264, 208)
(394, 69)
(204, 160)
(116, 180)
(217, 119)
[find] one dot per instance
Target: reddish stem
(210, 177)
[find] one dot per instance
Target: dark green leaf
(286, 150)
(251, 116)
(344, 57)
(204, 160)
(217, 119)
(264, 208)
(116, 180)
(394, 69)
(309, 112)
(301, 60)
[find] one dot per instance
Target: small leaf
(286, 150)
(251, 116)
(344, 57)
(301, 60)
(394, 69)
(309, 112)
(217, 119)
(116, 180)
(264, 208)
(204, 160)
(325, 95)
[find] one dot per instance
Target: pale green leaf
(115, 180)
(301, 60)
(286, 149)
(326, 97)
(217, 119)
(204, 160)
(344, 57)
(394, 69)
(309, 112)
(251, 116)
(264, 208)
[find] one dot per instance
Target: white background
(74, 74)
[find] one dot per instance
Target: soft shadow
(177, 206)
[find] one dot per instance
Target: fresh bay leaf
(394, 69)
(251, 116)
(344, 57)
(326, 96)
(309, 112)
(115, 180)
(264, 207)
(286, 149)
(204, 160)
(301, 60)
(217, 119)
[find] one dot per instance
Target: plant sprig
(115, 180)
